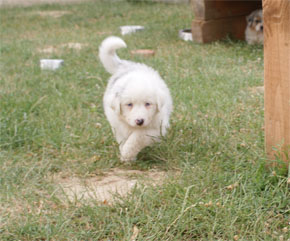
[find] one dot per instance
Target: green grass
(52, 123)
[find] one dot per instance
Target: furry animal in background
(254, 31)
(137, 102)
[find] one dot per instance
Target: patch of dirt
(104, 188)
(257, 90)
(54, 49)
(76, 46)
(47, 50)
(53, 14)
(104, 33)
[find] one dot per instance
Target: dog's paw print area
(105, 188)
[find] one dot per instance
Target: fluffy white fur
(254, 31)
(137, 102)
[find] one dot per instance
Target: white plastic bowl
(50, 64)
(185, 34)
(128, 29)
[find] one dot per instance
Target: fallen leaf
(232, 186)
(135, 233)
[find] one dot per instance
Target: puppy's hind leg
(133, 145)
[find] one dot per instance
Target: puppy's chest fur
(252, 36)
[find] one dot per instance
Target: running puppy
(137, 102)
(254, 30)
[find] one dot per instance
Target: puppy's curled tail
(107, 53)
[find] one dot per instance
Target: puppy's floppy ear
(249, 18)
(116, 104)
(160, 100)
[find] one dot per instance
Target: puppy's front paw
(127, 155)
(127, 159)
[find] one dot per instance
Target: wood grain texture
(277, 76)
(217, 9)
(212, 30)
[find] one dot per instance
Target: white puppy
(137, 102)
(254, 31)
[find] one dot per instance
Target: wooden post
(277, 76)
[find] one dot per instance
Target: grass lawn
(52, 124)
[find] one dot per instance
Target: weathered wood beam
(277, 77)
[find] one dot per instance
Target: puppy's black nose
(139, 122)
(262, 28)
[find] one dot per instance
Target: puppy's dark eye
(130, 105)
(257, 21)
(147, 104)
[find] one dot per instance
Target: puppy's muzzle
(139, 122)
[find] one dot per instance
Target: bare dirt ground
(104, 188)
(61, 47)
(4, 3)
